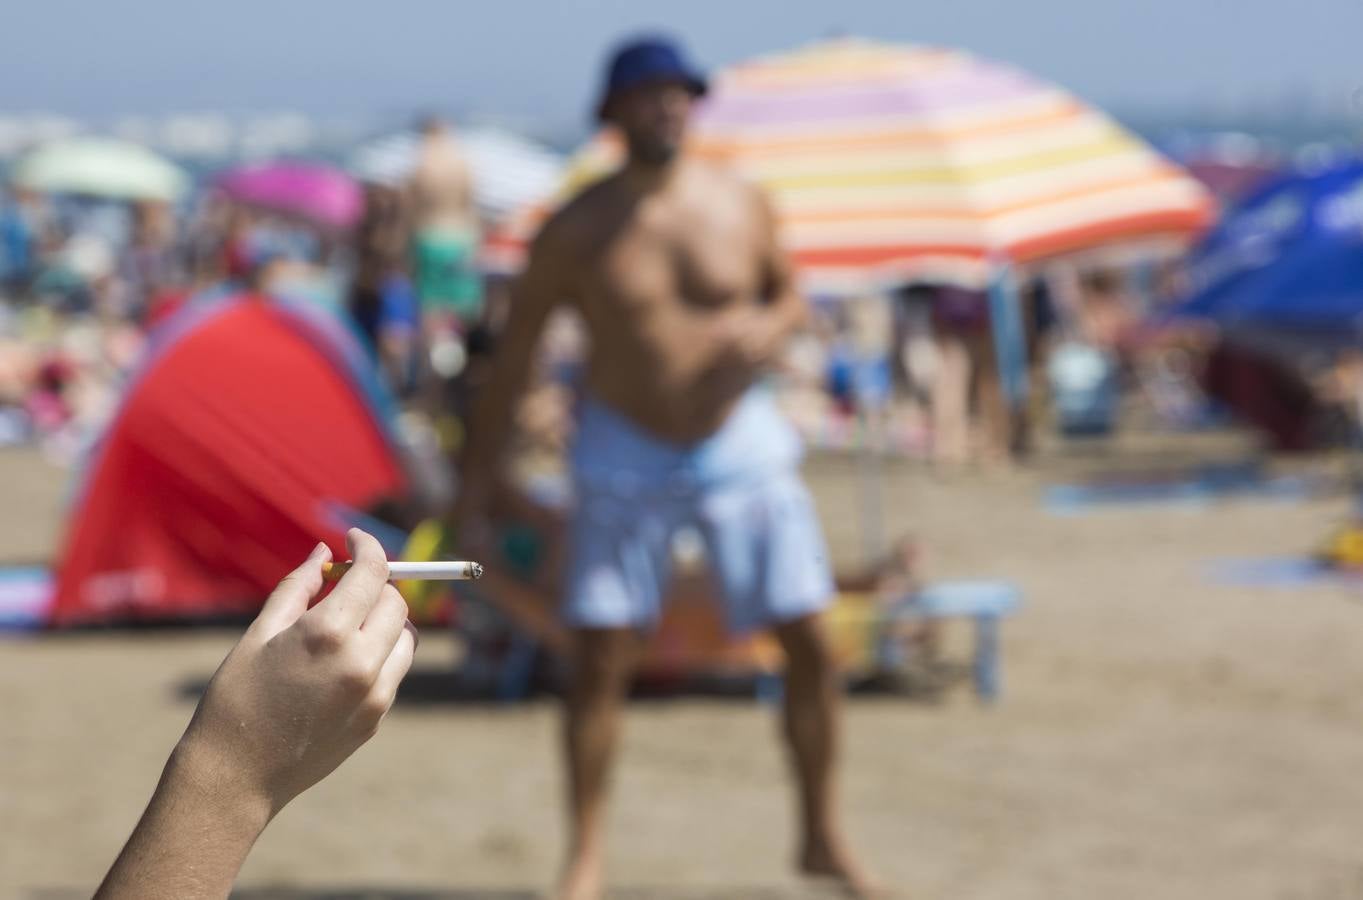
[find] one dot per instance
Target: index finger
(359, 588)
(289, 600)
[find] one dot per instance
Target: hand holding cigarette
(302, 689)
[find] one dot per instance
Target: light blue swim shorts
(739, 489)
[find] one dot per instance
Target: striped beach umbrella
(901, 163)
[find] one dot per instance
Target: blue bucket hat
(648, 59)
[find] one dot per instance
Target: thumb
(290, 598)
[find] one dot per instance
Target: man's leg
(603, 660)
(951, 401)
(995, 414)
(813, 731)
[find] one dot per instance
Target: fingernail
(318, 550)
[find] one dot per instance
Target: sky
(540, 60)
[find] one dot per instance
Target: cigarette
(425, 571)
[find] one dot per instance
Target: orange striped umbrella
(906, 163)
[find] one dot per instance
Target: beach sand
(1159, 736)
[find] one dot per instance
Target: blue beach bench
(984, 601)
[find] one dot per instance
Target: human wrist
(205, 782)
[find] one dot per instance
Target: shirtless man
(444, 226)
(675, 269)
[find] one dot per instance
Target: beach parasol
(100, 167)
(1289, 258)
(891, 164)
(320, 194)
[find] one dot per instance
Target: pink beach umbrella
(320, 194)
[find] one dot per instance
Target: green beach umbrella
(100, 167)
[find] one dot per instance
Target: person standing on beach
(675, 268)
(444, 227)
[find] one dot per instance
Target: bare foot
(582, 878)
(832, 862)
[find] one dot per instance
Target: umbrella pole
(1355, 476)
(1010, 339)
(1144, 277)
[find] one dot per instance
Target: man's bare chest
(701, 263)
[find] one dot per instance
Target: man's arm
(784, 309)
(784, 299)
(539, 289)
(300, 692)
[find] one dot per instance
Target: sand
(1159, 736)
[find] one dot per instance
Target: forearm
(786, 314)
(193, 837)
(790, 313)
(489, 429)
(532, 299)
(785, 303)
